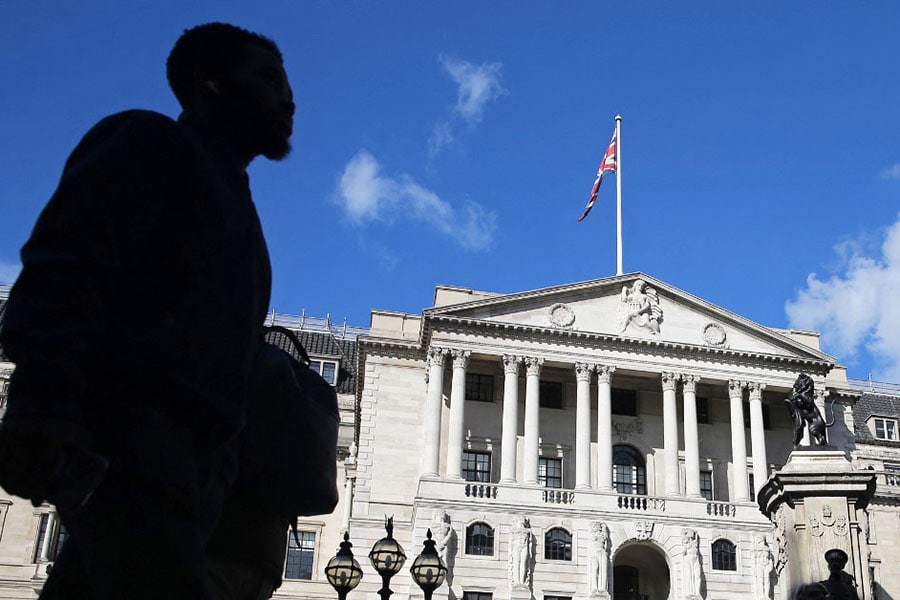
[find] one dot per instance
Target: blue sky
(457, 142)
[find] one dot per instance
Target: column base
(506, 480)
(599, 595)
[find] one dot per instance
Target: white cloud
(366, 194)
(892, 172)
(9, 271)
(477, 86)
(856, 308)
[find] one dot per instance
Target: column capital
(436, 355)
(533, 365)
(689, 382)
(755, 390)
(604, 373)
(511, 363)
(460, 358)
(583, 371)
(736, 388)
(669, 380)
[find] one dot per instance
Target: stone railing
(481, 490)
(892, 478)
(559, 496)
(721, 509)
(647, 503)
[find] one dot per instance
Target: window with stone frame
(629, 470)
(476, 466)
(706, 485)
(724, 555)
(624, 402)
(892, 473)
(558, 544)
(479, 387)
(551, 393)
(477, 596)
(550, 472)
(885, 428)
(298, 563)
(480, 539)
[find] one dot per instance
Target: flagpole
(619, 194)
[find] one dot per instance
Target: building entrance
(640, 573)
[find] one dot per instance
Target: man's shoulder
(135, 123)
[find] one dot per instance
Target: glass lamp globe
(343, 572)
(387, 555)
(428, 570)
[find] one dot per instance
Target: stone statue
(639, 307)
(520, 554)
(765, 563)
(443, 533)
(804, 410)
(840, 585)
(691, 564)
(598, 560)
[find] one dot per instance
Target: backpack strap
(296, 348)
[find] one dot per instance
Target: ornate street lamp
(387, 558)
(343, 572)
(428, 570)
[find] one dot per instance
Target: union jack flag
(607, 164)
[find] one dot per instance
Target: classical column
(510, 432)
(456, 429)
(348, 501)
(738, 442)
(52, 520)
(758, 436)
(433, 401)
(604, 427)
(670, 433)
(583, 425)
(691, 439)
(532, 418)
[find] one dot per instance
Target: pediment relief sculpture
(639, 308)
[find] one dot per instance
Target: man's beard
(256, 133)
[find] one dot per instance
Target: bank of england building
(615, 438)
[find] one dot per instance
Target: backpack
(288, 448)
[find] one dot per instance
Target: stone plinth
(814, 502)
(520, 592)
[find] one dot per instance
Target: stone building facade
(597, 439)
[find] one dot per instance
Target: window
(724, 556)
(480, 539)
(557, 545)
(751, 486)
(479, 388)
(476, 466)
(550, 472)
(557, 597)
(892, 474)
(551, 394)
(50, 539)
(886, 429)
(703, 410)
(43, 525)
(629, 471)
(765, 414)
(299, 563)
(706, 484)
(326, 368)
(624, 402)
(477, 596)
(61, 535)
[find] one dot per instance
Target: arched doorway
(640, 572)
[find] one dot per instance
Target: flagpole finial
(618, 117)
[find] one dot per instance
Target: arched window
(629, 471)
(724, 556)
(480, 539)
(558, 544)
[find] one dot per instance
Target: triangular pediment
(633, 306)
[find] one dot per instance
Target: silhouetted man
(840, 585)
(135, 320)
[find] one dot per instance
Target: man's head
(234, 81)
(836, 559)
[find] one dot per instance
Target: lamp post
(343, 572)
(428, 570)
(387, 558)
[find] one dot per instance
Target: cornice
(624, 343)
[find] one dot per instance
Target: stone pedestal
(814, 502)
(598, 595)
(520, 592)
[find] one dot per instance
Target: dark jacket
(145, 280)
